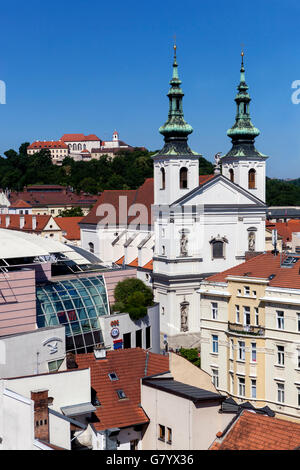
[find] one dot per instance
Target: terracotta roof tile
(52, 195)
(129, 365)
(253, 431)
(48, 144)
(263, 266)
(14, 222)
(149, 265)
(79, 137)
(143, 195)
(70, 226)
(134, 263)
(19, 204)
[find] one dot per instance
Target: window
(298, 390)
(163, 250)
(251, 179)
(231, 348)
(280, 320)
(253, 352)
(241, 350)
(138, 339)
(169, 434)
(246, 316)
(231, 383)
(280, 355)
(163, 178)
(214, 310)
(113, 376)
(241, 386)
(183, 181)
(215, 377)
(148, 337)
(231, 175)
(53, 366)
(217, 250)
(253, 388)
(121, 394)
(256, 316)
(127, 340)
(239, 292)
(280, 393)
(161, 432)
(298, 358)
(237, 313)
(215, 344)
(246, 290)
(91, 247)
(298, 321)
(254, 293)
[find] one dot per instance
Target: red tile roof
(253, 431)
(263, 266)
(19, 204)
(14, 222)
(285, 229)
(149, 265)
(70, 226)
(130, 365)
(52, 195)
(143, 195)
(48, 144)
(120, 261)
(134, 263)
(79, 138)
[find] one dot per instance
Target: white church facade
(197, 226)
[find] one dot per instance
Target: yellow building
(250, 332)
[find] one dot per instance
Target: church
(184, 225)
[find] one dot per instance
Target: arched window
(74, 147)
(70, 146)
(79, 147)
(218, 247)
(84, 147)
(251, 179)
(231, 175)
(91, 247)
(163, 178)
(183, 178)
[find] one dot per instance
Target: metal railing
(246, 329)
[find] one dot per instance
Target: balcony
(246, 329)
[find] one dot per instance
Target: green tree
(132, 296)
(191, 355)
(74, 212)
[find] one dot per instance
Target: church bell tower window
(183, 178)
(251, 179)
(231, 175)
(163, 178)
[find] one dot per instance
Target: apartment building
(250, 332)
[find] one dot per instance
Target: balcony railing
(246, 329)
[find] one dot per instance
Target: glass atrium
(77, 304)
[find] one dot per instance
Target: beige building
(58, 149)
(250, 332)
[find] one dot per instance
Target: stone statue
(251, 241)
(184, 308)
(183, 245)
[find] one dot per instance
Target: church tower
(176, 166)
(243, 164)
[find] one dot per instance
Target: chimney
(41, 414)
(7, 220)
(33, 222)
(22, 222)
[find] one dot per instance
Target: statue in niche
(251, 241)
(183, 244)
(184, 310)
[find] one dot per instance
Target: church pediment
(219, 191)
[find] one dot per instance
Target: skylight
(113, 376)
(121, 394)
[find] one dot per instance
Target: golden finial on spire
(175, 47)
(242, 54)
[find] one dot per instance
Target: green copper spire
(243, 129)
(175, 130)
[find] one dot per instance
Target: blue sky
(93, 66)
